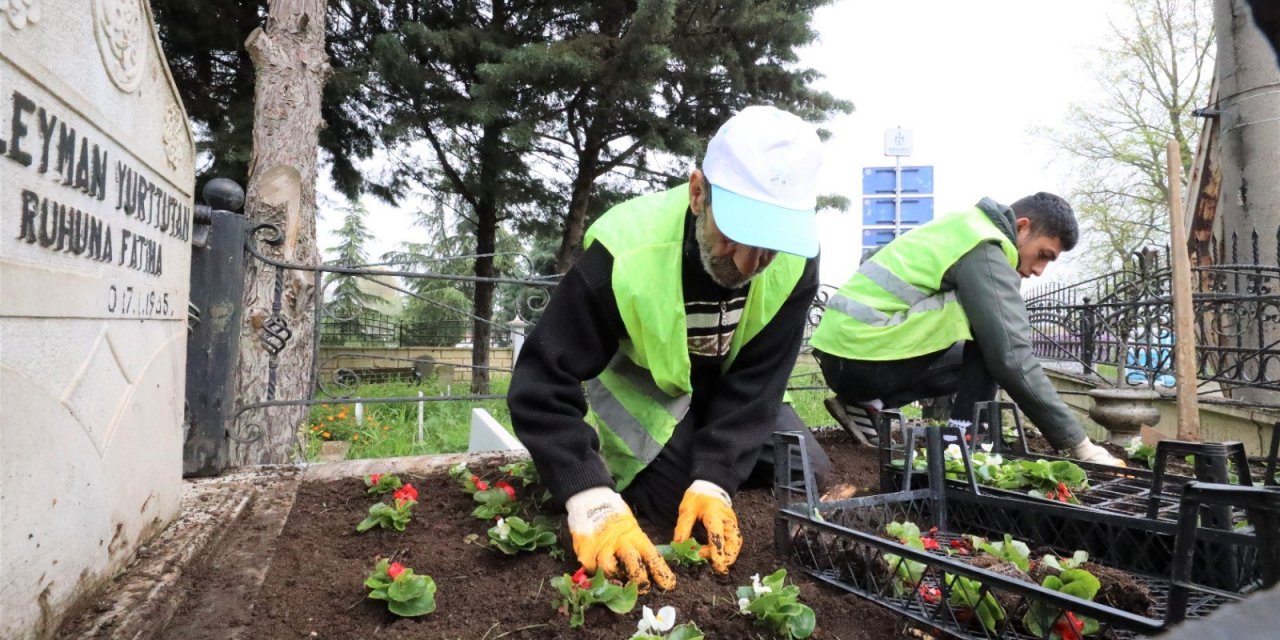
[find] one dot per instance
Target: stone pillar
(517, 327)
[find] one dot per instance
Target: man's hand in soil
(707, 503)
(605, 533)
(1087, 451)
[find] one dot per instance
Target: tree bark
(291, 68)
(1249, 205)
(575, 221)
(486, 243)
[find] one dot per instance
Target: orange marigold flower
(325, 434)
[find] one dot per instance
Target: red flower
(481, 485)
(375, 478)
(932, 595)
(1070, 628)
(511, 491)
(395, 570)
(962, 547)
(405, 493)
(580, 579)
(930, 544)
(1061, 494)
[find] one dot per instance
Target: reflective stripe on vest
(624, 425)
(865, 314)
(894, 307)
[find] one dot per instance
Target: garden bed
(314, 587)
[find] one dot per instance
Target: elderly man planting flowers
(684, 317)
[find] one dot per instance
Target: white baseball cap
(763, 168)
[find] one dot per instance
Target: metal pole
(1183, 314)
(420, 433)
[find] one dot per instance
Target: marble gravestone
(96, 184)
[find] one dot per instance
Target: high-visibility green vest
(646, 390)
(891, 309)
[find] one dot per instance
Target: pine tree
(348, 301)
(203, 42)
(661, 76)
(455, 76)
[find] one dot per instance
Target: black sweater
(732, 412)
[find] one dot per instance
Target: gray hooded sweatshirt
(989, 291)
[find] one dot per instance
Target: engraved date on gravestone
(133, 301)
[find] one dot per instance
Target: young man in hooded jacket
(938, 311)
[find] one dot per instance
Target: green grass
(390, 430)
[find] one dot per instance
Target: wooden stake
(1184, 330)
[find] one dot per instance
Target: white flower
(743, 603)
(656, 624)
(986, 446)
(952, 452)
(457, 468)
(503, 528)
(757, 588)
(1133, 445)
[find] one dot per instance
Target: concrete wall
(1218, 423)
(363, 358)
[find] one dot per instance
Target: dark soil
(314, 588)
(1120, 590)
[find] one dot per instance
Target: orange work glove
(707, 503)
(605, 532)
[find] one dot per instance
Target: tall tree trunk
(1249, 208)
(486, 243)
(575, 222)
(277, 338)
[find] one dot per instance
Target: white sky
(971, 79)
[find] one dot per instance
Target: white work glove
(605, 532)
(1087, 451)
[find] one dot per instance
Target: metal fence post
(1087, 327)
(217, 289)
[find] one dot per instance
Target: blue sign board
(878, 180)
(915, 211)
(878, 237)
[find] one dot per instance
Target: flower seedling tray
(1189, 571)
(1131, 491)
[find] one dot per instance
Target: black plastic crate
(1189, 570)
(1132, 491)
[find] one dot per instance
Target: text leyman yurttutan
(44, 140)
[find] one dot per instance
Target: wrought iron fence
(336, 379)
(373, 329)
(1124, 320)
(335, 325)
